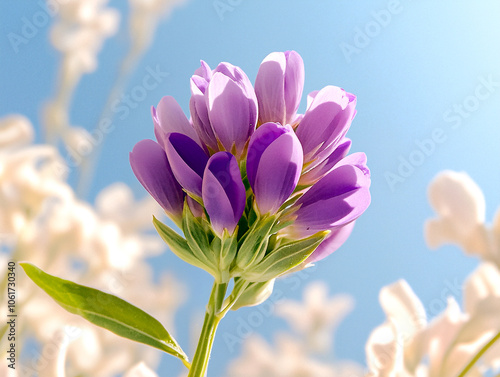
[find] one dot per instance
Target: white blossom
(460, 207)
(482, 303)
(406, 345)
(386, 345)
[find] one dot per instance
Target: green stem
(476, 358)
(212, 318)
(239, 288)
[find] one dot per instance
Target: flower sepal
(224, 250)
(253, 244)
(180, 247)
(199, 236)
(284, 258)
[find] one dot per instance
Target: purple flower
(322, 166)
(151, 167)
(188, 161)
(332, 242)
(223, 107)
(168, 117)
(287, 154)
(326, 120)
(337, 199)
(278, 86)
(223, 192)
(274, 164)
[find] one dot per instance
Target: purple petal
(323, 166)
(274, 164)
(331, 243)
(326, 121)
(151, 167)
(278, 173)
(310, 98)
(199, 112)
(204, 71)
(199, 85)
(237, 75)
(278, 86)
(357, 159)
(223, 192)
(187, 160)
(260, 140)
(294, 83)
(230, 112)
(159, 133)
(169, 117)
(270, 88)
(337, 199)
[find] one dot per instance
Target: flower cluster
(272, 188)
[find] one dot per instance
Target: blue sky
(427, 78)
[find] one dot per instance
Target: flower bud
(278, 86)
(168, 117)
(223, 192)
(223, 107)
(322, 166)
(187, 160)
(337, 199)
(151, 167)
(274, 164)
(326, 121)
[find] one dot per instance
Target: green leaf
(283, 259)
(107, 311)
(254, 244)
